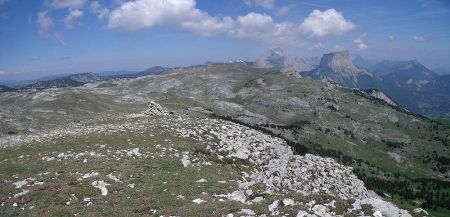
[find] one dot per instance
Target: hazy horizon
(75, 36)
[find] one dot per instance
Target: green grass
(442, 121)
(238, 100)
(106, 85)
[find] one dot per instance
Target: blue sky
(70, 36)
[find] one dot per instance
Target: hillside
(392, 151)
(4, 88)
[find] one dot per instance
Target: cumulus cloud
(262, 26)
(418, 38)
(100, 11)
(58, 4)
(183, 14)
(269, 4)
(71, 17)
(360, 44)
(329, 22)
(135, 15)
(3, 72)
(44, 22)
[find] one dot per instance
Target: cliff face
(338, 62)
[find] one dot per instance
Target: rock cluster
(155, 109)
(275, 165)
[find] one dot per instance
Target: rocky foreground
(270, 179)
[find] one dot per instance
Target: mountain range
(407, 83)
(74, 80)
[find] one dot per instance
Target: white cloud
(2, 72)
(418, 38)
(70, 19)
(329, 22)
(58, 4)
(269, 4)
(135, 15)
(360, 44)
(391, 37)
(44, 22)
(262, 26)
(101, 12)
(183, 14)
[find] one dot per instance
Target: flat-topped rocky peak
(338, 62)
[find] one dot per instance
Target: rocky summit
(338, 62)
(337, 67)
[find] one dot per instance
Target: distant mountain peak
(276, 57)
(408, 69)
(337, 67)
(339, 62)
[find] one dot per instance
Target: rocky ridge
(276, 166)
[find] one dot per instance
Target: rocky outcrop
(278, 169)
(338, 62)
(380, 95)
(155, 109)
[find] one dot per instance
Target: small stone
(288, 202)
(198, 201)
(377, 214)
(201, 180)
